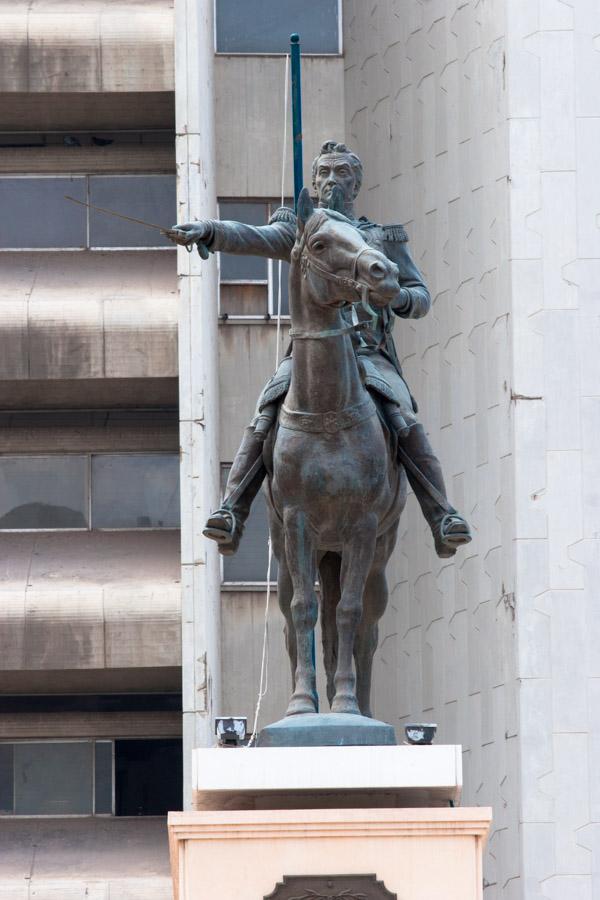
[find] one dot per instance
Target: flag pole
(296, 114)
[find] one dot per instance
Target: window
(141, 777)
(107, 490)
(43, 492)
(41, 218)
(249, 285)
(264, 26)
(56, 778)
(135, 491)
(250, 562)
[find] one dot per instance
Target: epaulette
(283, 214)
(395, 233)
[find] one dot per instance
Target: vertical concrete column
(198, 377)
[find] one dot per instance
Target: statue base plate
(327, 730)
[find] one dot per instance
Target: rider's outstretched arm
(274, 240)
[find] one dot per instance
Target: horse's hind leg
(329, 577)
(301, 562)
(367, 635)
(375, 601)
(357, 558)
(285, 592)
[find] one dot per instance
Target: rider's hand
(191, 233)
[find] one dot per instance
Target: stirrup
(448, 542)
(222, 527)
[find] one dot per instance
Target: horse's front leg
(357, 557)
(301, 564)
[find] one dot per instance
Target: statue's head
(336, 165)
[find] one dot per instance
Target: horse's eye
(317, 246)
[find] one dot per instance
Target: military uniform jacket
(277, 239)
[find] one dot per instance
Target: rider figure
(337, 172)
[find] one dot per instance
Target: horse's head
(329, 248)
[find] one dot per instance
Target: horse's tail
(329, 578)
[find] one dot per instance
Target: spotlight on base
(231, 730)
(420, 733)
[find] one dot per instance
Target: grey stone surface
(81, 858)
(63, 607)
(94, 315)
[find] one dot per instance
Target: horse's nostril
(376, 270)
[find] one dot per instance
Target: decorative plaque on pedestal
(331, 887)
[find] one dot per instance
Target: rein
(331, 421)
(328, 333)
(308, 262)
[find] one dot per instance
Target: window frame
(81, 740)
(337, 55)
(88, 249)
(250, 585)
(271, 281)
(88, 486)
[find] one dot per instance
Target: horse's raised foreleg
(357, 558)
(301, 563)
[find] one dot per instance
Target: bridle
(308, 263)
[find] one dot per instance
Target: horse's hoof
(300, 705)
(345, 704)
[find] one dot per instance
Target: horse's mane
(316, 220)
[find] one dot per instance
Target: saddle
(278, 386)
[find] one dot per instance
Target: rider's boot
(450, 530)
(226, 524)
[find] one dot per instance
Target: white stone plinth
(325, 777)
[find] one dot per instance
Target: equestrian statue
(335, 429)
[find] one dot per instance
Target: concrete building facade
(476, 122)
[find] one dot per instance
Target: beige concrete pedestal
(419, 854)
(269, 813)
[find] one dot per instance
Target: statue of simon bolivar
(337, 172)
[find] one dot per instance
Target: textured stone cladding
(553, 74)
(426, 109)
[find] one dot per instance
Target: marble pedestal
(379, 817)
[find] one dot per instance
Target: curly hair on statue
(334, 147)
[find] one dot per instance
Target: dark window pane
(244, 299)
(6, 778)
(243, 268)
(35, 213)
(250, 561)
(103, 777)
(135, 491)
(264, 26)
(285, 276)
(43, 492)
(53, 778)
(148, 777)
(148, 197)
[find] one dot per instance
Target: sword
(168, 232)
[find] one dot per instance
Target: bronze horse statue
(335, 491)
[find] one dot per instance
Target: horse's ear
(336, 201)
(305, 208)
